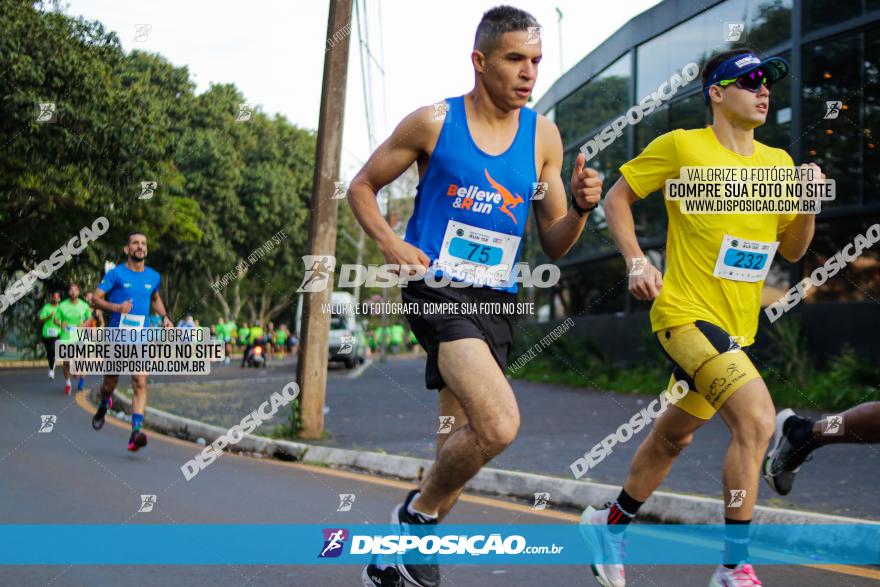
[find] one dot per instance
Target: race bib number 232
(740, 259)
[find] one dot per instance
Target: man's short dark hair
(496, 22)
(718, 59)
(131, 234)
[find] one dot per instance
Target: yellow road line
(867, 573)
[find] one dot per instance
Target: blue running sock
(137, 421)
(736, 542)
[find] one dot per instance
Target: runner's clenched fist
(586, 187)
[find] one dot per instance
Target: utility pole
(315, 328)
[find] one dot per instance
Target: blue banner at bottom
(303, 544)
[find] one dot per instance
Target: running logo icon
(737, 496)
(832, 425)
(832, 109)
(446, 423)
(334, 541)
(147, 503)
(734, 31)
(539, 189)
(147, 189)
(346, 500)
(638, 265)
(346, 345)
(245, 113)
(141, 32)
(541, 501)
(319, 268)
(534, 35)
(46, 112)
(339, 190)
(47, 423)
(440, 110)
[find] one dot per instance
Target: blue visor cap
(775, 69)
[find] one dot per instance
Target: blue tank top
(476, 192)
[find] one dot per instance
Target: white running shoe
(741, 576)
(51, 373)
(607, 547)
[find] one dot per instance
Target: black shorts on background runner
(431, 328)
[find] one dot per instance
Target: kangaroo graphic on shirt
(509, 199)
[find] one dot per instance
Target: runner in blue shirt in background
(128, 291)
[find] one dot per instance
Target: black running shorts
(431, 327)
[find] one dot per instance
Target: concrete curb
(17, 364)
(664, 506)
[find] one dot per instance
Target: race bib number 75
(469, 253)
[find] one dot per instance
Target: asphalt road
(387, 408)
(74, 475)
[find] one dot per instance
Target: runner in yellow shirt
(706, 305)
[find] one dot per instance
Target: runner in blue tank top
(485, 197)
(128, 291)
(479, 159)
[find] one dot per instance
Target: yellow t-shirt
(690, 290)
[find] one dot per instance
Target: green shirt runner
(73, 314)
(47, 313)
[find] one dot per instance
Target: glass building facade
(834, 50)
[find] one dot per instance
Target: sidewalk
(388, 409)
